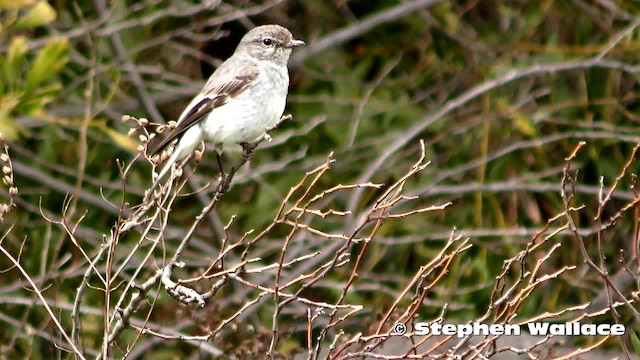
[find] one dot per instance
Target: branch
(359, 28)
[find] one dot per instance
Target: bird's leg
(247, 150)
(223, 177)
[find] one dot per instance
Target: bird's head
(269, 43)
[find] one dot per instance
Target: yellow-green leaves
(24, 14)
(15, 4)
(48, 63)
(520, 120)
(14, 61)
(27, 86)
(40, 14)
(10, 129)
(120, 139)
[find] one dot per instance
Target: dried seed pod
(143, 121)
(13, 191)
(126, 118)
(6, 170)
(4, 157)
(198, 155)
(143, 138)
(131, 132)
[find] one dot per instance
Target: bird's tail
(185, 147)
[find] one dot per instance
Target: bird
(243, 98)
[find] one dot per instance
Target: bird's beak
(294, 43)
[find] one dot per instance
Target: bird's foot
(247, 150)
(222, 184)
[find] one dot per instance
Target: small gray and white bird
(243, 98)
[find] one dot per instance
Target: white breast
(246, 117)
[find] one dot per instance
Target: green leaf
(42, 13)
(14, 4)
(9, 101)
(15, 59)
(9, 127)
(121, 140)
(48, 64)
(36, 100)
(635, 342)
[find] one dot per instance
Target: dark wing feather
(200, 110)
(215, 96)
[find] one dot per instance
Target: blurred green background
(500, 91)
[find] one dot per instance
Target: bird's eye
(267, 41)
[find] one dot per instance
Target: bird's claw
(247, 150)
(222, 187)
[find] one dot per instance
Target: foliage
(500, 93)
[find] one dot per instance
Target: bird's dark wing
(214, 94)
